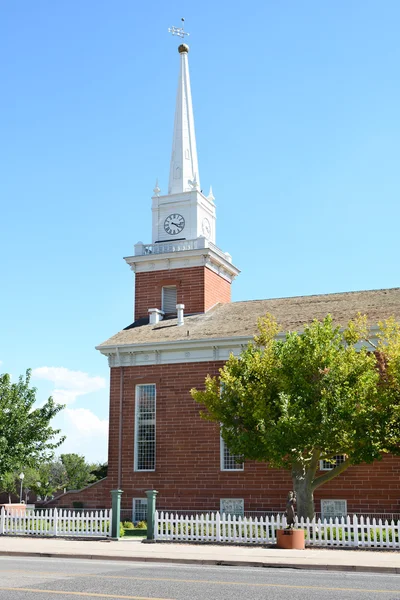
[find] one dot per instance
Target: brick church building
(185, 327)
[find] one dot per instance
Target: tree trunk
(302, 485)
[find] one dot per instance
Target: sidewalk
(134, 550)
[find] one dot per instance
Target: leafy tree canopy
(310, 396)
(78, 473)
(8, 484)
(69, 471)
(26, 435)
(42, 480)
(99, 470)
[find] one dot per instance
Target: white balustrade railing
(165, 247)
(56, 522)
(355, 532)
(179, 246)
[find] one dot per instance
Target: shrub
(121, 530)
(128, 525)
(141, 525)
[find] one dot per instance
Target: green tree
(8, 484)
(99, 470)
(310, 397)
(26, 436)
(57, 475)
(47, 480)
(30, 482)
(78, 471)
(38, 480)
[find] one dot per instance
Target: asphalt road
(58, 579)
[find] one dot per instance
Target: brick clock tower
(182, 266)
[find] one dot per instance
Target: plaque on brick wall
(330, 509)
(232, 506)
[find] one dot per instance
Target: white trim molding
(191, 351)
(182, 255)
(184, 350)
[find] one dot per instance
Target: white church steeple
(184, 213)
(184, 169)
(184, 219)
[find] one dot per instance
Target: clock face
(174, 224)
(206, 227)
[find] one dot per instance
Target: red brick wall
(198, 289)
(188, 472)
(216, 289)
(96, 495)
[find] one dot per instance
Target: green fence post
(116, 513)
(151, 513)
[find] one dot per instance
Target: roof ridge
(315, 295)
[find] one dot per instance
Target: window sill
(232, 470)
(144, 470)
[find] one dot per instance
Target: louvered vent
(169, 299)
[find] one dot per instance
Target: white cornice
(186, 351)
(208, 257)
(182, 351)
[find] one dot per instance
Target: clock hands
(173, 227)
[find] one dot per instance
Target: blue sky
(298, 131)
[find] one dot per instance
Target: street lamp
(21, 476)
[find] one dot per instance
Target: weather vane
(179, 30)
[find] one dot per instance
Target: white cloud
(64, 396)
(86, 422)
(69, 384)
(86, 433)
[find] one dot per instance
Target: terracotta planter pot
(290, 539)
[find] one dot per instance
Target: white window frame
(329, 466)
(137, 427)
(143, 501)
(162, 298)
(223, 447)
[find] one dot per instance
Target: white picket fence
(358, 532)
(56, 522)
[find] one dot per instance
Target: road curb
(216, 562)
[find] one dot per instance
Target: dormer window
(169, 299)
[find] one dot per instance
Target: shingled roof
(239, 319)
